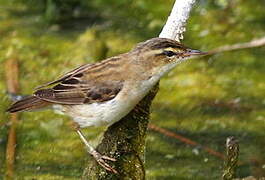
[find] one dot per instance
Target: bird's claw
(101, 161)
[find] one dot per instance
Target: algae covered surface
(206, 100)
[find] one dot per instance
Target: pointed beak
(192, 52)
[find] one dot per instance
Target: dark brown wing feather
(79, 93)
(76, 71)
(28, 104)
(82, 86)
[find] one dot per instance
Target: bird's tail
(29, 103)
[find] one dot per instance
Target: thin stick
(254, 43)
(11, 71)
(185, 140)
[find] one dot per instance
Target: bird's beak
(193, 52)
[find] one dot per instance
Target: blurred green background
(206, 99)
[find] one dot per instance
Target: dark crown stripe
(159, 43)
(165, 45)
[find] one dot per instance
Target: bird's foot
(101, 160)
(98, 157)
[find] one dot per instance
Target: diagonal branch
(125, 140)
(254, 43)
(185, 140)
(176, 22)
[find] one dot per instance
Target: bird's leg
(98, 157)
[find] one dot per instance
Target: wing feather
(78, 72)
(77, 95)
(79, 87)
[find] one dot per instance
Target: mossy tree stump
(125, 141)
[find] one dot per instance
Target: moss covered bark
(125, 141)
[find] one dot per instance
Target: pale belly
(105, 113)
(97, 114)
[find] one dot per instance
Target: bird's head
(162, 54)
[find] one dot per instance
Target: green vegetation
(205, 99)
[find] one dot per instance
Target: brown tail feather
(27, 104)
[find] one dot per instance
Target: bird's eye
(169, 53)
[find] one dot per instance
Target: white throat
(168, 67)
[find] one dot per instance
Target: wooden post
(11, 72)
(232, 152)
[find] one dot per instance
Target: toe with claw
(98, 157)
(102, 161)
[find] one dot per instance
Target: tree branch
(176, 22)
(125, 140)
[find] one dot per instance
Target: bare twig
(185, 140)
(232, 152)
(254, 43)
(11, 68)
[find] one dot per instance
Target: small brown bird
(103, 93)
